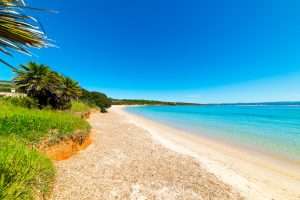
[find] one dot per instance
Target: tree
(49, 88)
(69, 90)
(38, 82)
(18, 31)
(96, 98)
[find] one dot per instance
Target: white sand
(255, 175)
(124, 162)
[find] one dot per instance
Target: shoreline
(250, 149)
(254, 174)
(124, 162)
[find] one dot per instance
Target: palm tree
(72, 88)
(18, 31)
(49, 88)
(68, 91)
(39, 82)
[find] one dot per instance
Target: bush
(25, 174)
(25, 102)
(96, 98)
(4, 89)
(78, 106)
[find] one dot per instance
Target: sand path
(125, 163)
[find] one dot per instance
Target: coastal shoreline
(253, 174)
(124, 162)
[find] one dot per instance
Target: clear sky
(188, 50)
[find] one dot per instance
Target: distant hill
(147, 102)
(155, 102)
(5, 86)
(5, 82)
(278, 103)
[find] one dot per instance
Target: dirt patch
(67, 147)
(86, 115)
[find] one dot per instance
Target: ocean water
(270, 128)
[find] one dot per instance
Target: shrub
(5, 89)
(25, 174)
(78, 106)
(25, 102)
(96, 98)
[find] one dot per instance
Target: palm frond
(12, 2)
(18, 31)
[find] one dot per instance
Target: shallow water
(271, 128)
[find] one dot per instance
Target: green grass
(33, 125)
(25, 173)
(78, 106)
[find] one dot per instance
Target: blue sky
(192, 50)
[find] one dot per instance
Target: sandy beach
(135, 158)
(253, 174)
(124, 162)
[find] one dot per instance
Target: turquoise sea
(271, 128)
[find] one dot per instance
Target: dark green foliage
(46, 86)
(38, 82)
(25, 174)
(70, 90)
(96, 98)
(5, 89)
(146, 102)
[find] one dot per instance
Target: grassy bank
(33, 125)
(79, 107)
(26, 173)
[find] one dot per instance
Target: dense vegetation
(33, 125)
(25, 173)
(146, 102)
(97, 99)
(51, 89)
(47, 87)
(50, 111)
